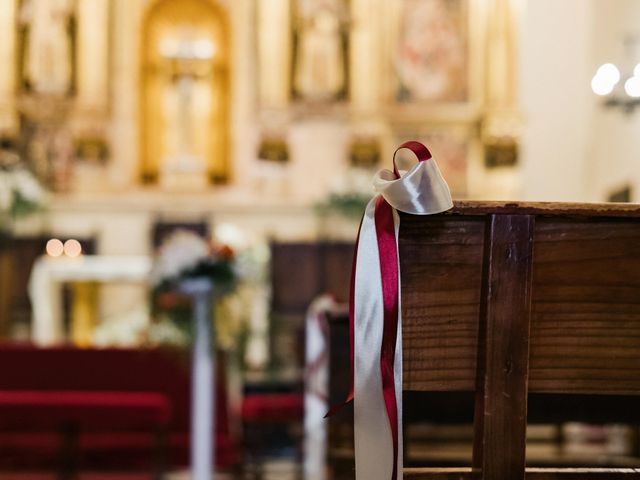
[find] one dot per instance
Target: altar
(49, 274)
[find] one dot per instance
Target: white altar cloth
(49, 273)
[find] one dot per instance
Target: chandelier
(618, 90)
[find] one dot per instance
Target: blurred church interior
(136, 133)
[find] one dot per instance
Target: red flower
(224, 252)
(170, 300)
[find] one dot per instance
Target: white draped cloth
(420, 191)
(316, 395)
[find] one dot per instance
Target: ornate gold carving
(8, 116)
(502, 123)
(185, 93)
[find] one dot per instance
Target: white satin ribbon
(316, 388)
(420, 191)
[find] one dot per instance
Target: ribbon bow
(375, 311)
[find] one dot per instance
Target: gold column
(5, 289)
(9, 59)
(93, 56)
(365, 59)
(274, 53)
(502, 122)
(83, 313)
(501, 54)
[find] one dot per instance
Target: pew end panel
(509, 301)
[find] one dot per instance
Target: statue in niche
(186, 103)
(320, 62)
(185, 94)
(47, 62)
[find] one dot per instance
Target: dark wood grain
(531, 473)
(341, 460)
(441, 267)
(500, 421)
(438, 473)
(584, 322)
(302, 271)
(585, 333)
(586, 278)
(336, 269)
(296, 273)
(618, 210)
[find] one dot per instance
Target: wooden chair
(508, 300)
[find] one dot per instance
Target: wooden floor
(531, 473)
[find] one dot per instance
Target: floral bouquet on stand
(185, 255)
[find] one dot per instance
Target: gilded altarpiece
(185, 95)
(441, 71)
(54, 85)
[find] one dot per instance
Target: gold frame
(207, 15)
(450, 112)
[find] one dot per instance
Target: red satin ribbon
(389, 271)
(417, 148)
(388, 252)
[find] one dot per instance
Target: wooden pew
(508, 300)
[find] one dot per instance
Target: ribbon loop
(420, 191)
(418, 149)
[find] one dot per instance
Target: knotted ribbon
(375, 311)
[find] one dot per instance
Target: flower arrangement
(187, 255)
(184, 255)
(20, 191)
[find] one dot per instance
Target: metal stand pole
(202, 380)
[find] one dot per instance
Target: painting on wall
(432, 56)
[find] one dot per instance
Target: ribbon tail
(397, 365)
(377, 391)
(375, 452)
(389, 272)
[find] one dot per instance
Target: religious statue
(185, 94)
(186, 104)
(320, 63)
(47, 66)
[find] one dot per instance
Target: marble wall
(574, 148)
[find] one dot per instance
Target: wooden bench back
(506, 299)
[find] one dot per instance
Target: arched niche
(185, 93)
